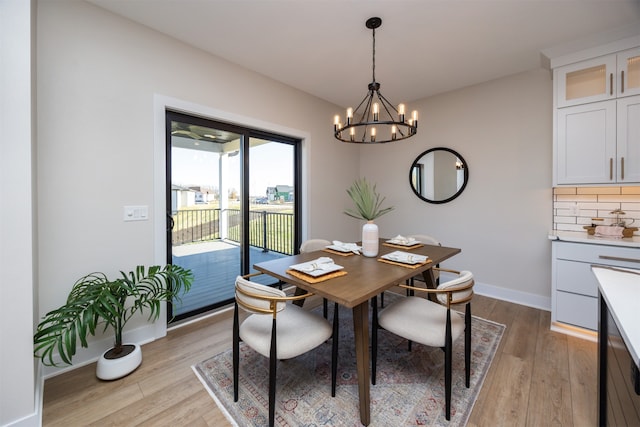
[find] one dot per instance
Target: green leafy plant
(367, 200)
(95, 299)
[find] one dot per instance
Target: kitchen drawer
(577, 310)
(576, 277)
(616, 256)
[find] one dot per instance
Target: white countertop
(621, 291)
(583, 237)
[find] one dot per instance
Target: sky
(271, 165)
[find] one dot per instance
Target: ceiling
(424, 47)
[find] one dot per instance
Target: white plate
(403, 243)
(405, 257)
(326, 268)
(339, 248)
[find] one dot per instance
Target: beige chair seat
(427, 323)
(297, 332)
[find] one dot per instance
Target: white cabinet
(597, 120)
(628, 139)
(574, 299)
(586, 143)
(599, 143)
(606, 77)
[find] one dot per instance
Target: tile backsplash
(574, 207)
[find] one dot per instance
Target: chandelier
(375, 120)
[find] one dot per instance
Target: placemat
(402, 264)
(331, 251)
(311, 279)
(391, 245)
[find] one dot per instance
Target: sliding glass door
(231, 202)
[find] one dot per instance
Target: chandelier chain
(373, 56)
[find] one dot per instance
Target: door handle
(622, 168)
(622, 81)
(170, 222)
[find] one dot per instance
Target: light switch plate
(136, 213)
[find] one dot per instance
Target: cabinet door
(629, 72)
(586, 81)
(628, 111)
(586, 144)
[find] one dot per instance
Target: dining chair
(427, 240)
(317, 245)
(431, 323)
(277, 330)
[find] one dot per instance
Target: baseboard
(517, 297)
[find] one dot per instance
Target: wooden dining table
(365, 278)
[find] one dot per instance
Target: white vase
(370, 239)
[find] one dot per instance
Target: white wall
(503, 129)
(17, 281)
(98, 75)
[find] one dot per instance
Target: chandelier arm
(386, 103)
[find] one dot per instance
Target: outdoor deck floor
(215, 266)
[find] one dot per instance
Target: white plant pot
(112, 369)
(370, 239)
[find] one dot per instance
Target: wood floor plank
(550, 396)
(532, 380)
(583, 364)
(149, 407)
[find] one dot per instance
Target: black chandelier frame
(387, 124)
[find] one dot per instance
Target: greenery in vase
(95, 299)
(367, 200)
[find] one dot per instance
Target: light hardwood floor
(537, 378)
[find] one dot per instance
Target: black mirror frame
(465, 167)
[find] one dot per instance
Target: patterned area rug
(409, 389)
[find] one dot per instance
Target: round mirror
(438, 175)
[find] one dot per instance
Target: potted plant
(368, 206)
(95, 300)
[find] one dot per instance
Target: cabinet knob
(622, 168)
(622, 81)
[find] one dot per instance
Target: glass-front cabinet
(629, 71)
(606, 77)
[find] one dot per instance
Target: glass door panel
(205, 187)
(272, 219)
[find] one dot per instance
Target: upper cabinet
(597, 120)
(599, 79)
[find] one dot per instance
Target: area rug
(409, 389)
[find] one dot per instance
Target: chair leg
(273, 361)
(448, 350)
(374, 340)
(382, 300)
(236, 352)
(334, 351)
(325, 306)
(467, 345)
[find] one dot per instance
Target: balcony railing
(270, 231)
